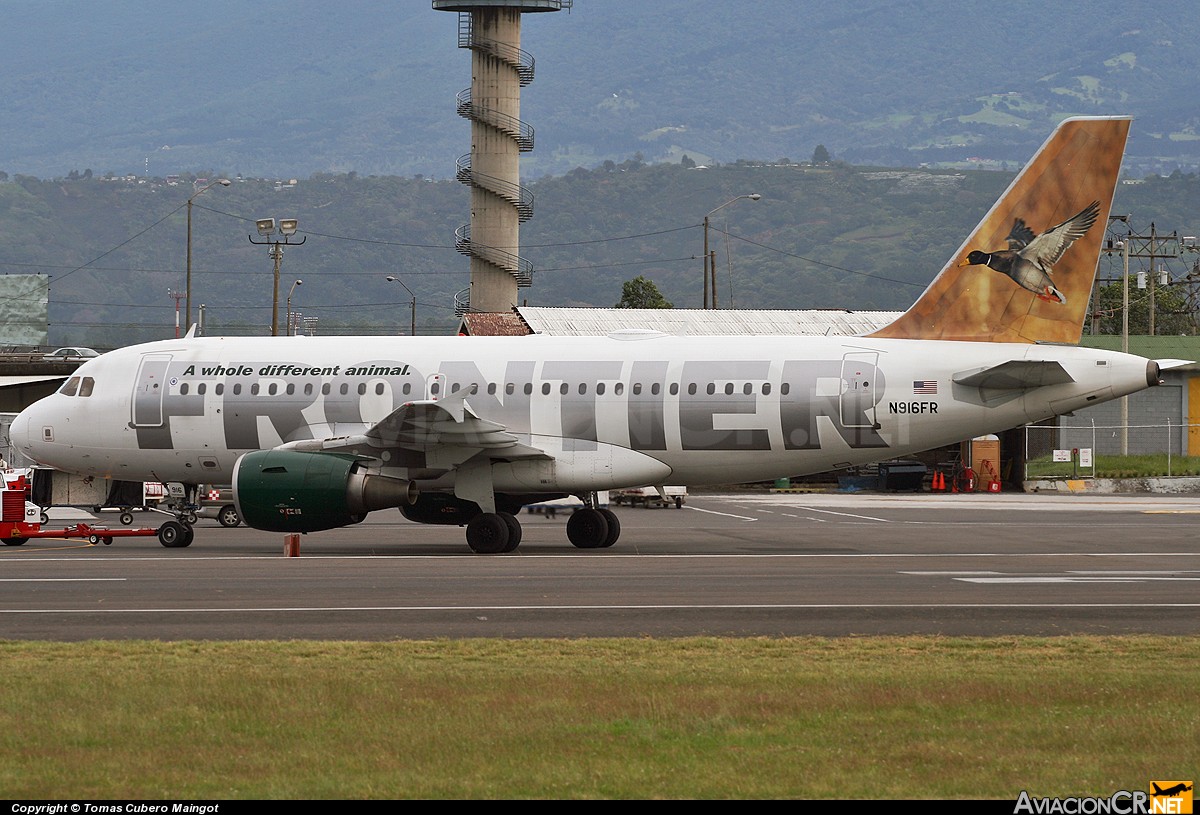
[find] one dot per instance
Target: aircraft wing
(1022, 374)
(429, 426)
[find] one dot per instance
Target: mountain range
(288, 88)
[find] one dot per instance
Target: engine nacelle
(293, 491)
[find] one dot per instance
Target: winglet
(1052, 197)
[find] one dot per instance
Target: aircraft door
(859, 373)
(149, 389)
(435, 386)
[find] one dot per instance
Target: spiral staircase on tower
(514, 194)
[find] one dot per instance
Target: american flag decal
(925, 386)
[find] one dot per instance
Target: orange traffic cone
(939, 481)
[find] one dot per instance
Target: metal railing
(1090, 450)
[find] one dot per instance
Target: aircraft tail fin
(1025, 274)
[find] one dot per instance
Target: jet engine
(293, 491)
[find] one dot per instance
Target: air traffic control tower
(499, 204)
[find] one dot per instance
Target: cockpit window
(70, 387)
(86, 386)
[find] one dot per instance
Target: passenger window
(220, 389)
(291, 388)
(71, 386)
(509, 388)
(183, 389)
(454, 388)
(674, 388)
(85, 387)
(345, 389)
(237, 389)
(491, 389)
(254, 389)
(747, 389)
(379, 389)
(712, 388)
(582, 388)
(729, 389)
(407, 388)
(637, 388)
(528, 388)
(545, 389)
(202, 389)
(619, 388)
(273, 388)
(785, 389)
(308, 389)
(362, 388)
(325, 389)
(766, 389)
(691, 389)
(563, 388)
(655, 388)
(599, 388)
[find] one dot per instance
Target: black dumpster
(901, 475)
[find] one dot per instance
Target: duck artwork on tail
(1029, 259)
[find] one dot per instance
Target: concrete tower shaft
(499, 204)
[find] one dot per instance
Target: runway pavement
(739, 564)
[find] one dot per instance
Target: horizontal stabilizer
(1018, 374)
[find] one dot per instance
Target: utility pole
(1155, 247)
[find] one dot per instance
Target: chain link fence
(1085, 449)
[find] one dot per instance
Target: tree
(821, 155)
(687, 161)
(642, 293)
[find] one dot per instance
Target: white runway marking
(726, 514)
(644, 607)
(63, 579)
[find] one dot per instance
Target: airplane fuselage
(629, 409)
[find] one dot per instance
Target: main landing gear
(591, 527)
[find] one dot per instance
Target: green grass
(597, 719)
(1113, 466)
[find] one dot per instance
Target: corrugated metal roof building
(574, 322)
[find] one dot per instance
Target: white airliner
(314, 433)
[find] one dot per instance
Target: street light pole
(287, 228)
(710, 264)
(224, 182)
(412, 304)
(290, 332)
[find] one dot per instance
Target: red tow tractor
(21, 519)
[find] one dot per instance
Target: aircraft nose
(18, 432)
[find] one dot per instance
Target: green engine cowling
(294, 491)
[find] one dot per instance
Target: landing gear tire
(587, 528)
(228, 516)
(15, 541)
(514, 531)
(175, 535)
(487, 534)
(187, 518)
(614, 527)
(126, 518)
(45, 518)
